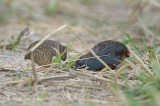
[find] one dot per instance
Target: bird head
(81, 64)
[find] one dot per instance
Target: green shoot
(132, 42)
(145, 46)
(71, 62)
(19, 76)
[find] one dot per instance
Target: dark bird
(44, 53)
(111, 52)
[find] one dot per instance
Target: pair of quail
(111, 52)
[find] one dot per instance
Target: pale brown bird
(44, 53)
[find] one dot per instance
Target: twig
(115, 37)
(39, 80)
(34, 72)
(45, 38)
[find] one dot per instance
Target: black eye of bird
(80, 64)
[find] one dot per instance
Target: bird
(110, 51)
(45, 52)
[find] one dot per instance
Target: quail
(111, 52)
(44, 53)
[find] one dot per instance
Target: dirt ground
(94, 21)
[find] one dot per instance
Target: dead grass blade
(39, 80)
(119, 71)
(94, 77)
(132, 65)
(77, 35)
(45, 38)
(136, 56)
(138, 9)
(144, 27)
(34, 73)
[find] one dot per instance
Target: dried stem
(77, 35)
(39, 80)
(136, 56)
(119, 71)
(45, 38)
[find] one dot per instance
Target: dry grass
(89, 23)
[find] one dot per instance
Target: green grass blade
(144, 42)
(132, 42)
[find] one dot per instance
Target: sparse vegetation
(134, 23)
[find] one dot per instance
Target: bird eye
(80, 64)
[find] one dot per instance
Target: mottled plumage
(111, 52)
(43, 54)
